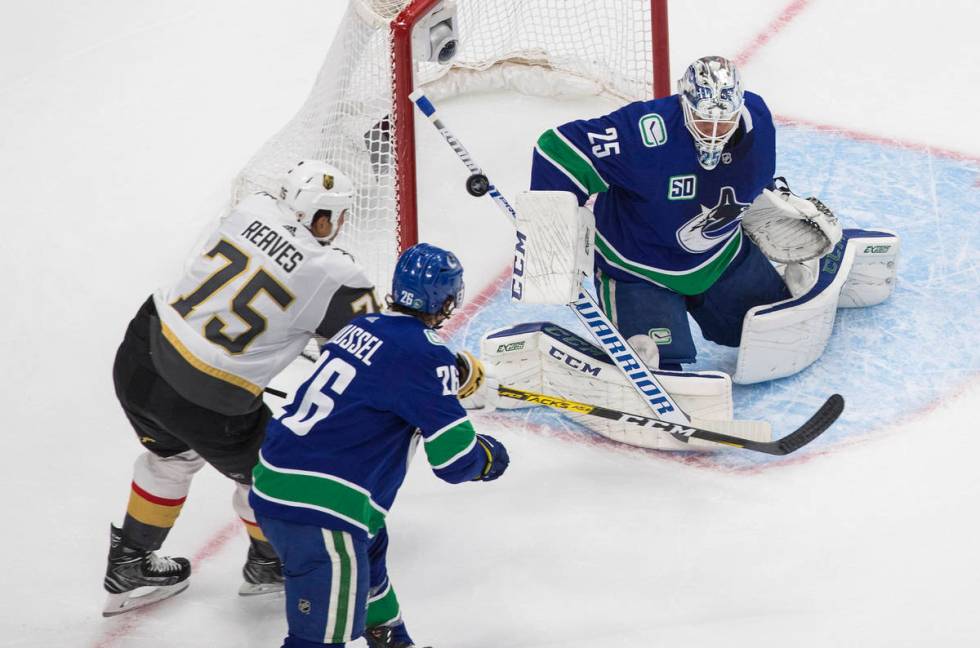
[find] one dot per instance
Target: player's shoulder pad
(430, 342)
(259, 204)
(341, 265)
(437, 351)
(757, 106)
(259, 198)
(417, 344)
(649, 124)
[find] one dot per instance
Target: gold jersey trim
(204, 367)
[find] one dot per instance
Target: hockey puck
(477, 185)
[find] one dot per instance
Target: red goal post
(359, 117)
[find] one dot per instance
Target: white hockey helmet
(312, 187)
(712, 97)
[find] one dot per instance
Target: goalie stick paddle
(640, 378)
(585, 308)
(814, 427)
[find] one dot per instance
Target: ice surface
(888, 361)
(121, 125)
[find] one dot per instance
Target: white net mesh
(347, 119)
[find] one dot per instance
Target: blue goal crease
(888, 361)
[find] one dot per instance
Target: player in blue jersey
(332, 463)
(673, 177)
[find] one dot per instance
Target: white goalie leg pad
(784, 338)
(874, 271)
(555, 245)
(546, 358)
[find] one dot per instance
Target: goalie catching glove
(788, 228)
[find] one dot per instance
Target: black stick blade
(817, 425)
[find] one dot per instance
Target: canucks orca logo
(714, 225)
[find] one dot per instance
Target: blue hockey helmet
(712, 97)
(425, 276)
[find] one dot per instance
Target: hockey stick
(810, 430)
(585, 308)
(640, 378)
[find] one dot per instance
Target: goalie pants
(641, 308)
(336, 584)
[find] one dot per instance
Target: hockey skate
(381, 637)
(136, 577)
(262, 571)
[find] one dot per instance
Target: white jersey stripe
(335, 563)
(352, 591)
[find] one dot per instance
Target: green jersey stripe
(320, 492)
(691, 282)
(383, 608)
(608, 298)
(344, 589)
(449, 443)
(560, 152)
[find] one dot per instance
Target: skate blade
(259, 589)
(127, 601)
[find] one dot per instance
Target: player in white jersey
(194, 362)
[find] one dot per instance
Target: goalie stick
(810, 430)
(801, 436)
(640, 378)
(585, 308)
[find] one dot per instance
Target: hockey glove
(471, 373)
(788, 228)
(497, 459)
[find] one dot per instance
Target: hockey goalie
(687, 220)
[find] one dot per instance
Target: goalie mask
(711, 96)
(312, 187)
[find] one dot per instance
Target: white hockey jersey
(247, 304)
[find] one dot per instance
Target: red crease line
(122, 626)
(877, 139)
(475, 305)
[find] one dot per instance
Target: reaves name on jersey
(267, 240)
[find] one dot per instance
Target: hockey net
(359, 118)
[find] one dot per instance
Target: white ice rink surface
(121, 126)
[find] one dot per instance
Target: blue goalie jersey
(660, 216)
(339, 452)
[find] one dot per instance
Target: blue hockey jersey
(660, 216)
(339, 452)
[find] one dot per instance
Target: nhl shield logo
(327, 181)
(304, 606)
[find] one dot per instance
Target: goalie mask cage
(359, 117)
